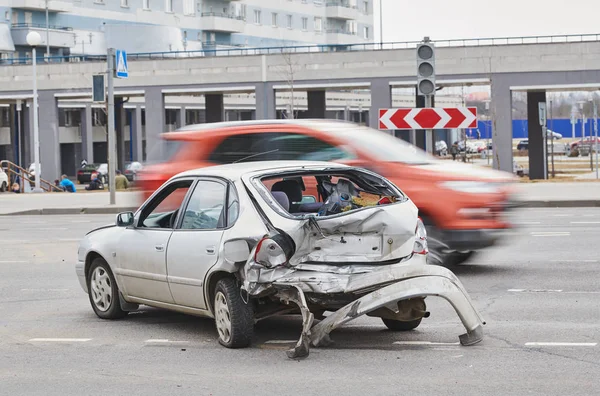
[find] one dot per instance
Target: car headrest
(291, 188)
(346, 186)
(282, 199)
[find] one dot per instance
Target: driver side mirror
(125, 219)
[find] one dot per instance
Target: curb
(71, 211)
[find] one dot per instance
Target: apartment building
(88, 27)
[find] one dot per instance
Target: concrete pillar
(215, 111)
(27, 133)
(381, 98)
(317, 105)
(87, 137)
(49, 138)
(11, 148)
(137, 136)
(265, 102)
(182, 118)
(155, 122)
(21, 131)
(536, 136)
(420, 136)
(120, 129)
(501, 112)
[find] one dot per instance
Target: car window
(162, 211)
(205, 209)
(271, 146)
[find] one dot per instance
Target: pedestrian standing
(121, 182)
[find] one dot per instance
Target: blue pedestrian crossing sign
(121, 70)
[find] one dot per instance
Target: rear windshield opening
(327, 193)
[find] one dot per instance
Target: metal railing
(243, 51)
(341, 4)
(40, 26)
(223, 15)
(15, 172)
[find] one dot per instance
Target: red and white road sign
(428, 118)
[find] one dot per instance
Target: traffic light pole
(112, 146)
(429, 132)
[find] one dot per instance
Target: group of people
(66, 185)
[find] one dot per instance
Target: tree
(288, 71)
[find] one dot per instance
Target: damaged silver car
(244, 242)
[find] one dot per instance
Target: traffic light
(426, 68)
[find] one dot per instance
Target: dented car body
(243, 242)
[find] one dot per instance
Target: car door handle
(159, 248)
(210, 250)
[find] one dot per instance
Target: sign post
(119, 71)
(596, 136)
(542, 118)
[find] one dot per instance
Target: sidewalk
(66, 203)
(541, 194)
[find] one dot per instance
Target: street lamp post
(34, 39)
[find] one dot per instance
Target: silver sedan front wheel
(103, 291)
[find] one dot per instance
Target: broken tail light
(274, 250)
(420, 246)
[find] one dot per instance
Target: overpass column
(265, 102)
(155, 121)
(49, 138)
(120, 121)
(182, 117)
(87, 135)
(215, 111)
(137, 135)
(317, 104)
(28, 133)
(381, 98)
(536, 135)
(501, 112)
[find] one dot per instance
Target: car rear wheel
(396, 325)
(103, 291)
(234, 318)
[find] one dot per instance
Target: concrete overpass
(530, 66)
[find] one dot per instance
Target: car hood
(459, 170)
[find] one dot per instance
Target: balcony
(59, 36)
(342, 37)
(218, 22)
(341, 10)
(40, 5)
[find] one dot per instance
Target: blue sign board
(121, 70)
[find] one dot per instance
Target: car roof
(236, 171)
(319, 124)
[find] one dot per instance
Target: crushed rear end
(369, 259)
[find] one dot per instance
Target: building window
(146, 4)
(290, 21)
(352, 27)
(318, 24)
(305, 24)
(188, 7)
(366, 7)
(366, 32)
(7, 15)
(168, 5)
(257, 17)
(124, 3)
(274, 19)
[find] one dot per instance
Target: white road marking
(527, 223)
(573, 261)
(585, 222)
(164, 341)
(550, 234)
(44, 290)
(70, 239)
(429, 343)
(14, 262)
(552, 291)
(281, 342)
(51, 229)
(60, 339)
(562, 215)
(582, 344)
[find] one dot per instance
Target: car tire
(3, 187)
(457, 258)
(396, 325)
(234, 318)
(103, 291)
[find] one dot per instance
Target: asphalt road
(541, 287)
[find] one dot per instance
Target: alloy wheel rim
(101, 289)
(222, 317)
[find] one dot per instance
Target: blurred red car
(463, 206)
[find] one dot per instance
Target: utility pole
(596, 135)
(552, 139)
(112, 146)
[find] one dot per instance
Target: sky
(459, 19)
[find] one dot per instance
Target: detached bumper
(407, 281)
